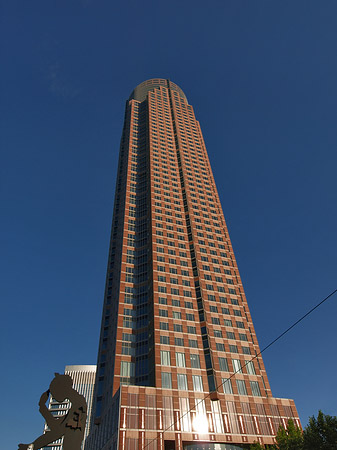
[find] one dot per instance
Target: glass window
(164, 340)
(195, 361)
(250, 368)
(241, 385)
(177, 327)
(220, 347)
(166, 380)
(182, 381)
(176, 315)
(200, 420)
(237, 366)
(197, 383)
(179, 341)
(193, 343)
(165, 358)
(180, 359)
(191, 330)
(127, 369)
(185, 414)
(211, 382)
(227, 386)
(255, 388)
(217, 419)
(223, 365)
(233, 349)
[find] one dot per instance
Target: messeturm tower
(177, 366)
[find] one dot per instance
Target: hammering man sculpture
(71, 426)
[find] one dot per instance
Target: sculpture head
(60, 387)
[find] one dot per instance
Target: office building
(178, 362)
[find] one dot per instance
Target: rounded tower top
(140, 92)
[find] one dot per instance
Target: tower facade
(177, 364)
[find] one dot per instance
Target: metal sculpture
(70, 426)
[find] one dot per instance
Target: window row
(177, 314)
(173, 270)
(164, 279)
(176, 302)
(182, 262)
(165, 359)
(237, 367)
(220, 347)
(174, 291)
(241, 387)
(177, 327)
(179, 342)
(230, 335)
(166, 382)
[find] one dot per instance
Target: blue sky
(261, 76)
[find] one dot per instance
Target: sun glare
(200, 424)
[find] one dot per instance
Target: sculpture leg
(47, 438)
(73, 439)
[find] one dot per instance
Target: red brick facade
(176, 323)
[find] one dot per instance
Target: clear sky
(261, 76)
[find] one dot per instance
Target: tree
(286, 439)
(290, 438)
(320, 433)
(256, 446)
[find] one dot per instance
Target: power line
(248, 362)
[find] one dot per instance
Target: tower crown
(140, 92)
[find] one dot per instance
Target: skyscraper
(175, 362)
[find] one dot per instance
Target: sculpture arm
(46, 414)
